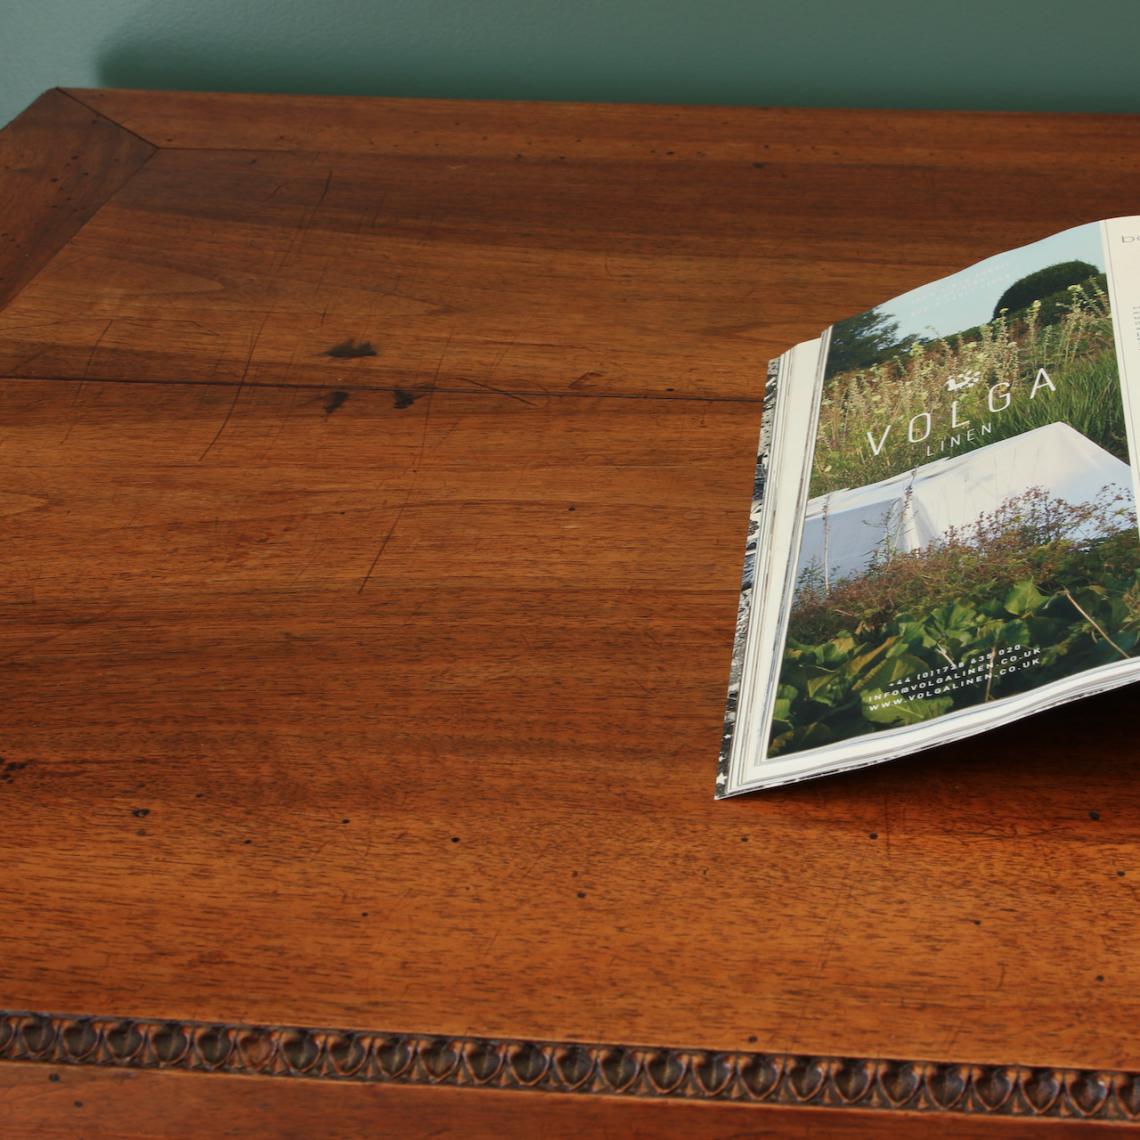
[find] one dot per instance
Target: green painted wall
(1008, 54)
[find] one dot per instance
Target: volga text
(998, 398)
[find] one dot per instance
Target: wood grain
(238, 620)
(66, 1101)
(384, 691)
(573, 132)
(59, 162)
(654, 272)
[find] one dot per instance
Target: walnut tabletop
(374, 479)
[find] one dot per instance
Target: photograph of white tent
(844, 529)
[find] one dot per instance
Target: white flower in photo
(963, 380)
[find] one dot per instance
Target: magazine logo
(963, 380)
(999, 396)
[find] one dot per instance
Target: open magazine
(944, 535)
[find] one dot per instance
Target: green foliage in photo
(1038, 572)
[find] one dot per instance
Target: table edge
(153, 114)
(959, 1088)
(517, 1064)
(66, 185)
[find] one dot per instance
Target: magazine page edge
(729, 736)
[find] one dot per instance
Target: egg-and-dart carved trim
(568, 1067)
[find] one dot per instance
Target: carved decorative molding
(566, 1067)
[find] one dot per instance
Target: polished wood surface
(59, 162)
(101, 1104)
(372, 501)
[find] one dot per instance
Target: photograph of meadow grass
(1036, 590)
(1071, 339)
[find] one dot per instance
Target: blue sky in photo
(966, 299)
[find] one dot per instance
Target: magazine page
(968, 550)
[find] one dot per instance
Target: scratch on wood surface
(500, 391)
(387, 539)
(83, 377)
(91, 354)
(73, 628)
(439, 365)
(240, 386)
(320, 288)
(362, 862)
(837, 916)
(415, 471)
(305, 224)
(838, 913)
(324, 191)
(283, 420)
(408, 496)
(20, 365)
(428, 411)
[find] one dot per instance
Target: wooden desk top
(373, 484)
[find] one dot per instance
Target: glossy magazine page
(967, 542)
